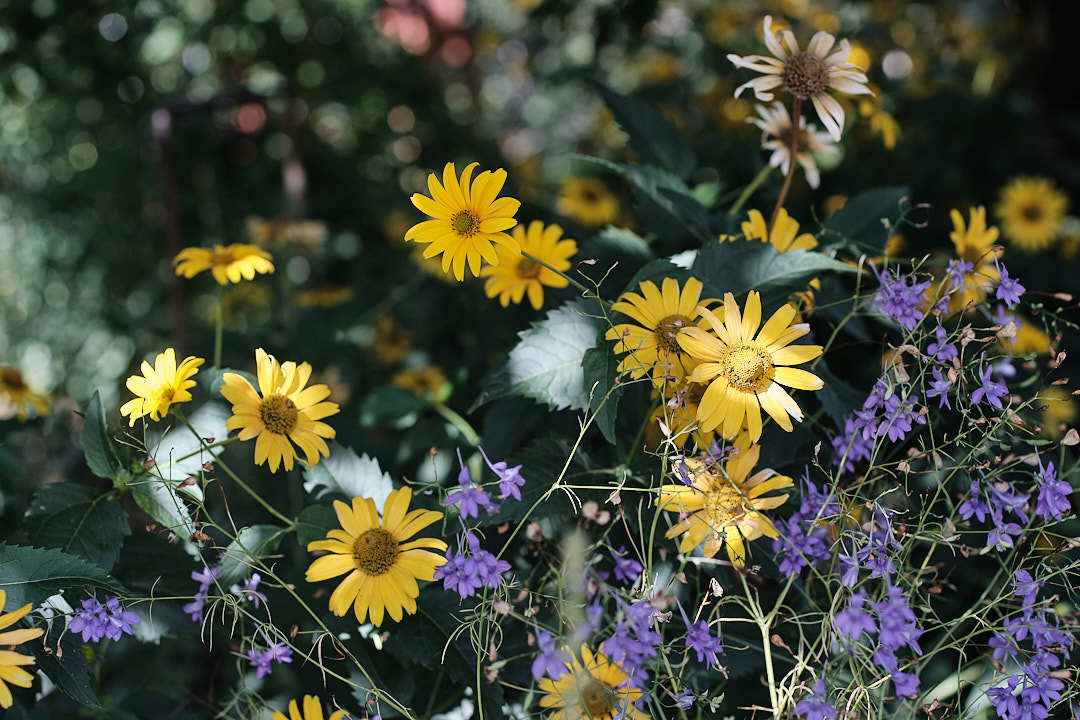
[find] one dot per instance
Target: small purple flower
(700, 640)
(96, 621)
(205, 577)
(974, 505)
(853, 622)
(941, 350)
(956, 271)
(685, 700)
(906, 684)
(897, 624)
(1001, 536)
(900, 298)
(634, 641)
(1026, 588)
(1052, 502)
(814, 706)
(1009, 289)
(465, 574)
(853, 446)
(510, 480)
(1006, 705)
(992, 390)
(250, 590)
(469, 498)
(262, 660)
(550, 661)
(939, 387)
(627, 569)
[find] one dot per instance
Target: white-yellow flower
(777, 135)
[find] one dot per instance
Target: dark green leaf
(859, 222)
(541, 462)
(79, 520)
(390, 406)
(652, 137)
(600, 368)
(837, 397)
(252, 543)
(161, 502)
(30, 574)
(618, 254)
(313, 522)
(59, 655)
(656, 271)
(95, 440)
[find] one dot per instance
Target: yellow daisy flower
(1060, 410)
(744, 372)
(679, 413)
(283, 410)
(427, 382)
(974, 243)
(468, 219)
(588, 201)
(228, 263)
(10, 672)
(382, 567)
(594, 688)
(391, 340)
(160, 386)
(516, 275)
(313, 710)
(724, 507)
(662, 316)
(1031, 210)
(15, 392)
(785, 233)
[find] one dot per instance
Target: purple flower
(685, 700)
(1009, 289)
(899, 298)
(627, 569)
(250, 590)
(469, 497)
(1052, 502)
(853, 622)
(510, 480)
(942, 350)
(1026, 588)
(956, 271)
(1006, 705)
(550, 662)
(465, 574)
(853, 446)
(974, 505)
(1001, 535)
(940, 388)
(634, 642)
(992, 390)
(96, 621)
(700, 640)
(195, 607)
(896, 623)
(1003, 643)
(814, 706)
(279, 653)
(906, 684)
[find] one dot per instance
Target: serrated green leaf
(251, 543)
(859, 222)
(31, 574)
(390, 406)
(60, 657)
(600, 370)
(652, 137)
(545, 365)
(79, 520)
(161, 502)
(313, 522)
(95, 440)
(348, 474)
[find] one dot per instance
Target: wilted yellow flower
(1031, 210)
(468, 219)
(10, 672)
(594, 688)
(383, 565)
(312, 710)
(15, 392)
(723, 505)
(427, 382)
(281, 413)
(588, 201)
(516, 275)
(1060, 410)
(161, 385)
(228, 263)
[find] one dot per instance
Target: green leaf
(313, 522)
(31, 574)
(178, 453)
(95, 440)
(60, 657)
(79, 520)
(253, 542)
(390, 406)
(348, 474)
(546, 364)
(160, 501)
(837, 397)
(860, 224)
(740, 266)
(652, 137)
(600, 369)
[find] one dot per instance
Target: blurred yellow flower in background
(468, 219)
(595, 687)
(1060, 410)
(228, 263)
(161, 385)
(15, 392)
(785, 232)
(1031, 210)
(324, 296)
(312, 710)
(427, 382)
(282, 233)
(10, 672)
(588, 201)
(391, 340)
(1029, 339)
(516, 275)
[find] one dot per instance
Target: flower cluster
(96, 620)
(465, 573)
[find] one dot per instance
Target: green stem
(796, 110)
(463, 426)
(219, 326)
(750, 189)
(572, 281)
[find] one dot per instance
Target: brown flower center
(723, 503)
(598, 698)
(375, 551)
(590, 195)
(465, 223)
(11, 378)
(667, 331)
(805, 75)
(222, 256)
(788, 137)
(1031, 213)
(527, 268)
(747, 367)
(278, 414)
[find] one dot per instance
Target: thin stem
(796, 110)
(572, 281)
(749, 189)
(463, 426)
(219, 326)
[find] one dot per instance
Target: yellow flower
(588, 201)
(974, 243)
(468, 219)
(160, 386)
(382, 567)
(1060, 410)
(679, 413)
(391, 340)
(325, 296)
(724, 507)
(784, 235)
(516, 275)
(744, 372)
(282, 232)
(594, 688)
(228, 263)
(312, 711)
(1031, 210)
(1028, 339)
(15, 392)
(243, 306)
(662, 316)
(10, 672)
(285, 411)
(427, 382)
(886, 126)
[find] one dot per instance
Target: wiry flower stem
(796, 110)
(218, 327)
(585, 291)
